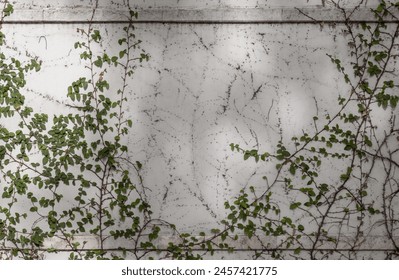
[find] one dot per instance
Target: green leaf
(295, 205)
(98, 63)
(129, 123)
(292, 169)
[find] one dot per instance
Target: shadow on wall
(211, 85)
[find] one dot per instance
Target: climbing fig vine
(73, 169)
(304, 212)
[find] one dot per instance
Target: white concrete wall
(206, 86)
(191, 10)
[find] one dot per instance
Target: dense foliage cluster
(78, 159)
(332, 217)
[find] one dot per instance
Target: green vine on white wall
(75, 172)
(347, 139)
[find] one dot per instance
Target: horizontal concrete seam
(36, 22)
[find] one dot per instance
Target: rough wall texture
(191, 11)
(206, 86)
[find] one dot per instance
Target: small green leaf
(295, 205)
(293, 169)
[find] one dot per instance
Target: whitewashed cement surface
(193, 11)
(205, 86)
